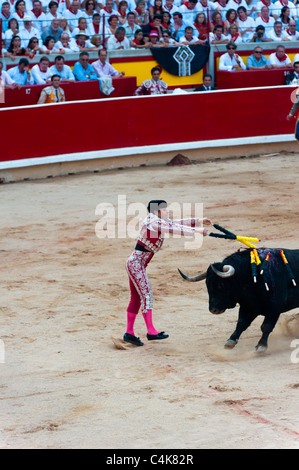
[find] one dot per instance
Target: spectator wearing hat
(119, 40)
(82, 69)
(154, 86)
(52, 93)
(29, 31)
(83, 43)
(230, 61)
(102, 68)
(154, 40)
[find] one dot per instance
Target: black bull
(231, 282)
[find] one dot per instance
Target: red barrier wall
(89, 90)
(143, 121)
(250, 78)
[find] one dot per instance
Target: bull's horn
(228, 271)
(200, 277)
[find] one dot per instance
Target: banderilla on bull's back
(254, 257)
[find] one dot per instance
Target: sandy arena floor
(64, 294)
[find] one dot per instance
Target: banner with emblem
(182, 61)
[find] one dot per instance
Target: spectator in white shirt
(41, 72)
(6, 80)
(108, 11)
(82, 26)
(83, 42)
(218, 36)
(246, 25)
(29, 31)
(277, 34)
(53, 13)
(39, 19)
(291, 31)
(66, 45)
(118, 41)
(13, 30)
(96, 26)
(190, 37)
(205, 6)
(189, 11)
(73, 14)
(20, 12)
(282, 3)
(230, 61)
(265, 20)
(234, 34)
(280, 59)
(263, 3)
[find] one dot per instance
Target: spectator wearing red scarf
(279, 59)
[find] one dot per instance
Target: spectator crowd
(31, 27)
(41, 27)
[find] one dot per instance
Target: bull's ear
(223, 270)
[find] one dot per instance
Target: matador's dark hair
(156, 205)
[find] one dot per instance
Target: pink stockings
(131, 317)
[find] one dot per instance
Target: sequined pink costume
(150, 240)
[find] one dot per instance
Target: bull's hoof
(260, 348)
(230, 344)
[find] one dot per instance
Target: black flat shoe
(132, 339)
(160, 335)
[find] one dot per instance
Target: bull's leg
(267, 327)
(244, 320)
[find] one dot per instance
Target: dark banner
(183, 60)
